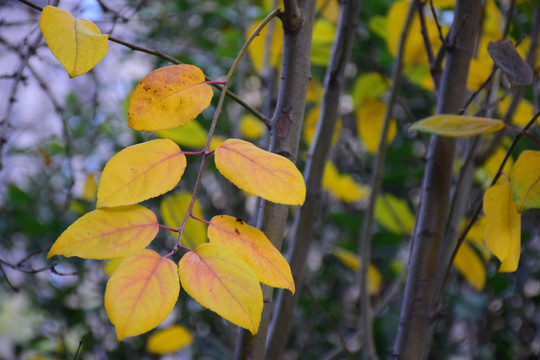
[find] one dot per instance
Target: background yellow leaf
(168, 97)
(140, 172)
(310, 126)
(107, 233)
(352, 261)
(250, 244)
(523, 114)
(503, 225)
(457, 126)
(394, 214)
(250, 127)
(191, 135)
(222, 282)
(469, 264)
(369, 120)
(90, 188)
(324, 33)
(525, 180)
(76, 43)
(173, 208)
(342, 186)
(261, 173)
(369, 86)
(169, 340)
(256, 49)
(141, 293)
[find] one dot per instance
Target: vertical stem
(418, 311)
(364, 242)
(303, 227)
(287, 121)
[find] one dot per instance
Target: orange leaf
(141, 293)
(168, 97)
(140, 172)
(107, 233)
(253, 247)
(262, 173)
(222, 282)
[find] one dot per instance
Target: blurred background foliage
(48, 180)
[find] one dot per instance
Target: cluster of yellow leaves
(224, 274)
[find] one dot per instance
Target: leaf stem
(167, 228)
(199, 219)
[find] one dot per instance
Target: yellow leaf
(250, 244)
(457, 126)
(76, 43)
(481, 65)
(394, 214)
(342, 186)
(349, 191)
(173, 208)
(310, 126)
(191, 135)
(369, 120)
(169, 340)
(90, 188)
(222, 282)
(141, 293)
(525, 180)
(444, 3)
(314, 91)
(524, 112)
(503, 225)
(110, 266)
(415, 52)
(140, 172)
(107, 233)
(470, 266)
(329, 9)
(257, 49)
(168, 97)
(261, 173)
(250, 127)
(216, 142)
(324, 33)
(352, 261)
(369, 86)
(330, 177)
(493, 20)
(491, 166)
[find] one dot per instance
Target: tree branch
(419, 299)
(303, 229)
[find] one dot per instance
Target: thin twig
(13, 287)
